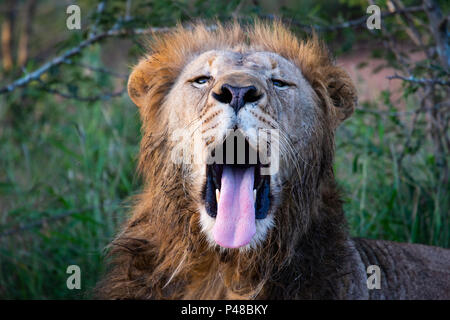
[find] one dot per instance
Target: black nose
(237, 97)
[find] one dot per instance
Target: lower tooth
(217, 195)
(254, 195)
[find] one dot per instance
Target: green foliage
(384, 201)
(69, 165)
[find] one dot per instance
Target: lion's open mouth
(236, 194)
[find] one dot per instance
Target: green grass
(383, 200)
(74, 162)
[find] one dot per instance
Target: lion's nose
(237, 97)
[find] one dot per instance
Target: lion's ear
(138, 83)
(342, 93)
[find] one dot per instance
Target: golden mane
(161, 251)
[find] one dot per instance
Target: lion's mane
(161, 252)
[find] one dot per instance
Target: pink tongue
(235, 220)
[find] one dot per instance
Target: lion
(203, 228)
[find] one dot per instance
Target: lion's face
(244, 121)
(263, 101)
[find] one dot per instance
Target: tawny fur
(162, 253)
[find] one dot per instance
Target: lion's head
(238, 140)
(277, 98)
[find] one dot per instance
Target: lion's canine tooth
(254, 195)
(217, 195)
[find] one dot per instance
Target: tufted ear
(342, 93)
(138, 83)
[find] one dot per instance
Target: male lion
(205, 229)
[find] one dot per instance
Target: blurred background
(69, 134)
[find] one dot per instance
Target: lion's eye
(279, 83)
(202, 79)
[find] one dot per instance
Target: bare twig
(439, 26)
(97, 69)
(99, 11)
(410, 28)
(35, 75)
(128, 10)
(347, 24)
(420, 80)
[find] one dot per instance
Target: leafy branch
(65, 57)
(119, 30)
